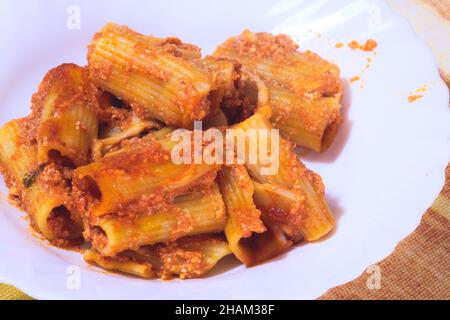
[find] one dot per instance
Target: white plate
(382, 172)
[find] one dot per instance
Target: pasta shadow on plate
(338, 212)
(230, 262)
(224, 265)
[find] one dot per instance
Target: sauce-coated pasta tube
(139, 173)
(18, 155)
(293, 175)
(283, 206)
(310, 123)
(42, 190)
(48, 202)
(249, 239)
(192, 214)
(188, 257)
(305, 89)
(134, 127)
(122, 264)
(66, 102)
(156, 82)
(223, 73)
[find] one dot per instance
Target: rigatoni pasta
(190, 214)
(66, 104)
(248, 237)
(305, 90)
(128, 178)
(310, 206)
(147, 156)
(310, 123)
(132, 128)
(48, 201)
(291, 211)
(187, 257)
(122, 264)
(18, 155)
(40, 189)
(156, 82)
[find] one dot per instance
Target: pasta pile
(91, 164)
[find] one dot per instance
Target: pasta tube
(135, 127)
(157, 83)
(18, 155)
(188, 257)
(68, 122)
(41, 189)
(294, 176)
(223, 74)
(48, 203)
(305, 89)
(188, 215)
(284, 208)
(276, 58)
(120, 264)
(142, 171)
(249, 239)
(310, 123)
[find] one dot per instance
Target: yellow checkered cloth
(10, 293)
